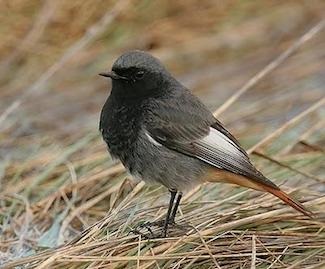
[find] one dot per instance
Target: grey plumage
(159, 106)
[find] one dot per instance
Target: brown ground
(57, 180)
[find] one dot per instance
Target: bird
(164, 134)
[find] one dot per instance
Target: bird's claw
(155, 229)
(148, 233)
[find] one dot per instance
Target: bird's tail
(289, 201)
(223, 176)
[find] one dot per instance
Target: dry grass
(65, 204)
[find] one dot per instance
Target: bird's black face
(136, 74)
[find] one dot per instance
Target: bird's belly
(158, 164)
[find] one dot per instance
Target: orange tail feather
(216, 175)
(289, 201)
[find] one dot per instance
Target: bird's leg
(171, 202)
(172, 218)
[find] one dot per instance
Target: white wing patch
(218, 140)
(152, 140)
(214, 140)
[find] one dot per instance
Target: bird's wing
(198, 134)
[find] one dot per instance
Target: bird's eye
(139, 74)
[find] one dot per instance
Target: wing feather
(221, 153)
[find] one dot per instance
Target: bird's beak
(112, 75)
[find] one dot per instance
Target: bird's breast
(120, 126)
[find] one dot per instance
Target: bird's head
(137, 73)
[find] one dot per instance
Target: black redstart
(164, 134)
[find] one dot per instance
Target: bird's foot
(155, 229)
(149, 230)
